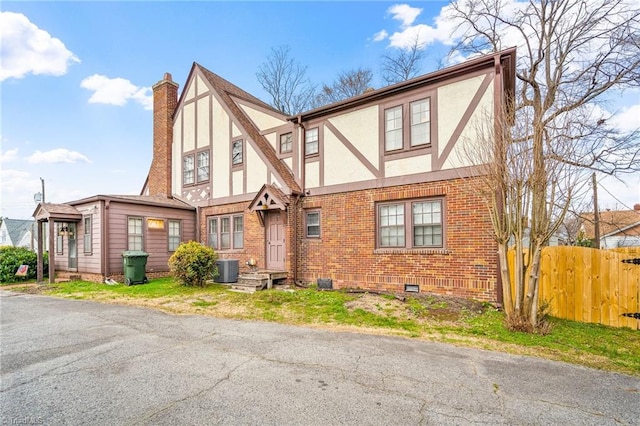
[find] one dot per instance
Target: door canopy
(268, 198)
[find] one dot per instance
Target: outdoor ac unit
(227, 271)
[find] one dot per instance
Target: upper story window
(311, 141)
(174, 235)
(188, 170)
(203, 166)
(236, 152)
(406, 131)
(420, 122)
(393, 128)
(286, 143)
(134, 234)
(88, 240)
(411, 224)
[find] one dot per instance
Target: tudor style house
(372, 192)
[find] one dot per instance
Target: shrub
(12, 257)
(193, 263)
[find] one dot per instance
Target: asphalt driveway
(78, 362)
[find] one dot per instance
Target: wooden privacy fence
(590, 285)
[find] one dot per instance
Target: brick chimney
(636, 207)
(165, 99)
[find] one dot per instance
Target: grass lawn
(427, 317)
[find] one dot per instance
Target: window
(286, 143)
(238, 232)
(134, 234)
(87, 238)
(311, 141)
(421, 220)
(188, 170)
(236, 152)
(203, 166)
(59, 240)
(226, 232)
(312, 224)
(174, 235)
(393, 128)
(403, 132)
(420, 125)
(427, 224)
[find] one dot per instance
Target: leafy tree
(286, 82)
(571, 55)
(193, 264)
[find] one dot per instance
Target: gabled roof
(612, 222)
(46, 211)
(226, 92)
(17, 228)
(269, 198)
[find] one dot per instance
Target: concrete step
(245, 288)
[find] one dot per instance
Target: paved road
(78, 362)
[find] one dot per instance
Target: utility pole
(42, 181)
(596, 214)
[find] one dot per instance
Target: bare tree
(572, 54)
(347, 85)
(286, 82)
(403, 64)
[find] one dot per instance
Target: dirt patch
(423, 307)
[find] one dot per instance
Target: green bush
(193, 264)
(12, 257)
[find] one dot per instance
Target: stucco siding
(188, 132)
(256, 170)
(262, 120)
(220, 160)
(361, 129)
(408, 166)
(203, 122)
(340, 164)
(453, 100)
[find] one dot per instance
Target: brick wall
(346, 251)
(165, 99)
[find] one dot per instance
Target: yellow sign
(155, 223)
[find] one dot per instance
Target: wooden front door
(274, 228)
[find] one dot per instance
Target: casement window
(87, 236)
(174, 235)
(403, 132)
(420, 122)
(312, 223)
(286, 143)
(135, 234)
(393, 128)
(311, 141)
(188, 170)
(236, 153)
(411, 224)
(226, 232)
(203, 166)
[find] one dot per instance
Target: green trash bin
(134, 263)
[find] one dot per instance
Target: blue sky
(76, 78)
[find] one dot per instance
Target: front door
(73, 248)
(274, 228)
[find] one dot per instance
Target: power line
(614, 197)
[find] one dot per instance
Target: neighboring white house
(18, 233)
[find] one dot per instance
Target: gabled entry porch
(68, 216)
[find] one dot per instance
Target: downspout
(297, 201)
(104, 211)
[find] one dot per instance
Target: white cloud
(14, 180)
(380, 35)
(116, 91)
(628, 119)
(28, 49)
(59, 155)
(10, 155)
(404, 13)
